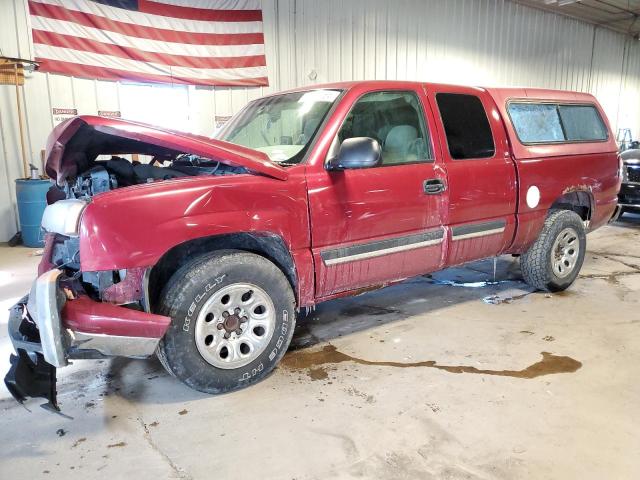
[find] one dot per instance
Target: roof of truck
(496, 92)
(502, 94)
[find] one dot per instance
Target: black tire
(188, 291)
(537, 263)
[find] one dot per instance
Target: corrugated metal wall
(481, 42)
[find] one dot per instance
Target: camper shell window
(549, 122)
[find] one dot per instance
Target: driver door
(371, 226)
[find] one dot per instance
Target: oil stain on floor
(315, 364)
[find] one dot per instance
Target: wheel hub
(235, 325)
(232, 323)
(566, 250)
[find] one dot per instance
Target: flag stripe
(151, 33)
(70, 28)
(191, 13)
(85, 8)
(88, 71)
(77, 43)
(216, 4)
(109, 61)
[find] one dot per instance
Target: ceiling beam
(600, 14)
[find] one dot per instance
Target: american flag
(197, 42)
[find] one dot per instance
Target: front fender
(133, 227)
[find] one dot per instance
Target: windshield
(282, 126)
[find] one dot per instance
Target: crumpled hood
(74, 140)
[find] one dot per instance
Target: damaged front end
(61, 319)
(77, 151)
(80, 307)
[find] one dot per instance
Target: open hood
(75, 143)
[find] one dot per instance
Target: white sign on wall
(109, 113)
(221, 120)
(59, 115)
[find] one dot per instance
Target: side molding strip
(474, 230)
(382, 247)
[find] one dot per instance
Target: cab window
(282, 126)
(466, 126)
(396, 120)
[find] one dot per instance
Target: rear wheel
(555, 259)
(233, 315)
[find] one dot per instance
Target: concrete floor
(421, 380)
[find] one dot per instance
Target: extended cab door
(481, 173)
(375, 225)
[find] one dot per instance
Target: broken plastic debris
(492, 300)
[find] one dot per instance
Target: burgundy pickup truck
(201, 250)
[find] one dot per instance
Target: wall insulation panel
(479, 42)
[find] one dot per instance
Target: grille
(634, 174)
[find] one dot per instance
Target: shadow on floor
(131, 379)
(416, 296)
(146, 381)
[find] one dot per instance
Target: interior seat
(397, 144)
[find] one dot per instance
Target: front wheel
(554, 260)
(233, 316)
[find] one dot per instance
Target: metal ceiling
(619, 15)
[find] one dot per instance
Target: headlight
(63, 217)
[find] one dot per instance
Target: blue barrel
(32, 200)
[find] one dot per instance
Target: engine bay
(117, 172)
(99, 158)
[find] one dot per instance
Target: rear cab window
(555, 122)
(466, 126)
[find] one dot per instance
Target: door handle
(433, 186)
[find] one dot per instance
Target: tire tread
(174, 293)
(534, 262)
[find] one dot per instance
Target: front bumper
(52, 325)
(30, 375)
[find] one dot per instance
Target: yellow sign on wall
(8, 72)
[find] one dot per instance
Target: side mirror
(356, 152)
